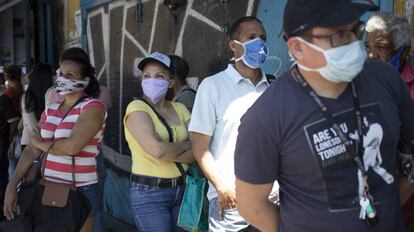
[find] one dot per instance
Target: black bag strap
(170, 134)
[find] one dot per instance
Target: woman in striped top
(78, 135)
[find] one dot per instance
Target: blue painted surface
(271, 14)
(88, 4)
(386, 5)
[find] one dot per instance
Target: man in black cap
(307, 131)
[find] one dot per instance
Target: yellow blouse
(144, 163)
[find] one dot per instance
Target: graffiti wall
(121, 33)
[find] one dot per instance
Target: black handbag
(37, 217)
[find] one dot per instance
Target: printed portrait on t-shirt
(372, 138)
(336, 163)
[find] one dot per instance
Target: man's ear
(295, 48)
(232, 45)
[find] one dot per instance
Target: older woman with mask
(389, 40)
(156, 132)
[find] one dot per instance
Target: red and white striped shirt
(58, 168)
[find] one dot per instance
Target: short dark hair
(13, 72)
(79, 56)
(180, 68)
(234, 31)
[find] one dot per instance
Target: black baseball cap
(302, 15)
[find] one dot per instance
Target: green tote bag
(193, 215)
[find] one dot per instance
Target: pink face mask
(155, 89)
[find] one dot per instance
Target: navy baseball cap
(302, 15)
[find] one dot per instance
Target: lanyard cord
(357, 153)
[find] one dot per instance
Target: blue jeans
(100, 169)
(12, 166)
(92, 193)
(18, 148)
(155, 209)
(229, 221)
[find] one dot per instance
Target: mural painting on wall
(122, 32)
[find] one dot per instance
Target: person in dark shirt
(183, 93)
(8, 122)
(309, 131)
(14, 88)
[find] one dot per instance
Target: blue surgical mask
(343, 63)
(255, 53)
(395, 60)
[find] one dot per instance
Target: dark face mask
(395, 60)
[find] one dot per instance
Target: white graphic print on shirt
(372, 137)
(338, 167)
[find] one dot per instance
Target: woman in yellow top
(156, 181)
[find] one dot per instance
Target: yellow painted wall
(71, 7)
(399, 7)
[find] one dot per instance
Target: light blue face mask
(395, 60)
(343, 63)
(255, 53)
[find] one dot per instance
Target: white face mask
(343, 63)
(65, 86)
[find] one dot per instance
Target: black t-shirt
(7, 112)
(285, 137)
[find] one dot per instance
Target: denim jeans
(155, 209)
(18, 148)
(12, 166)
(100, 169)
(92, 193)
(229, 221)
